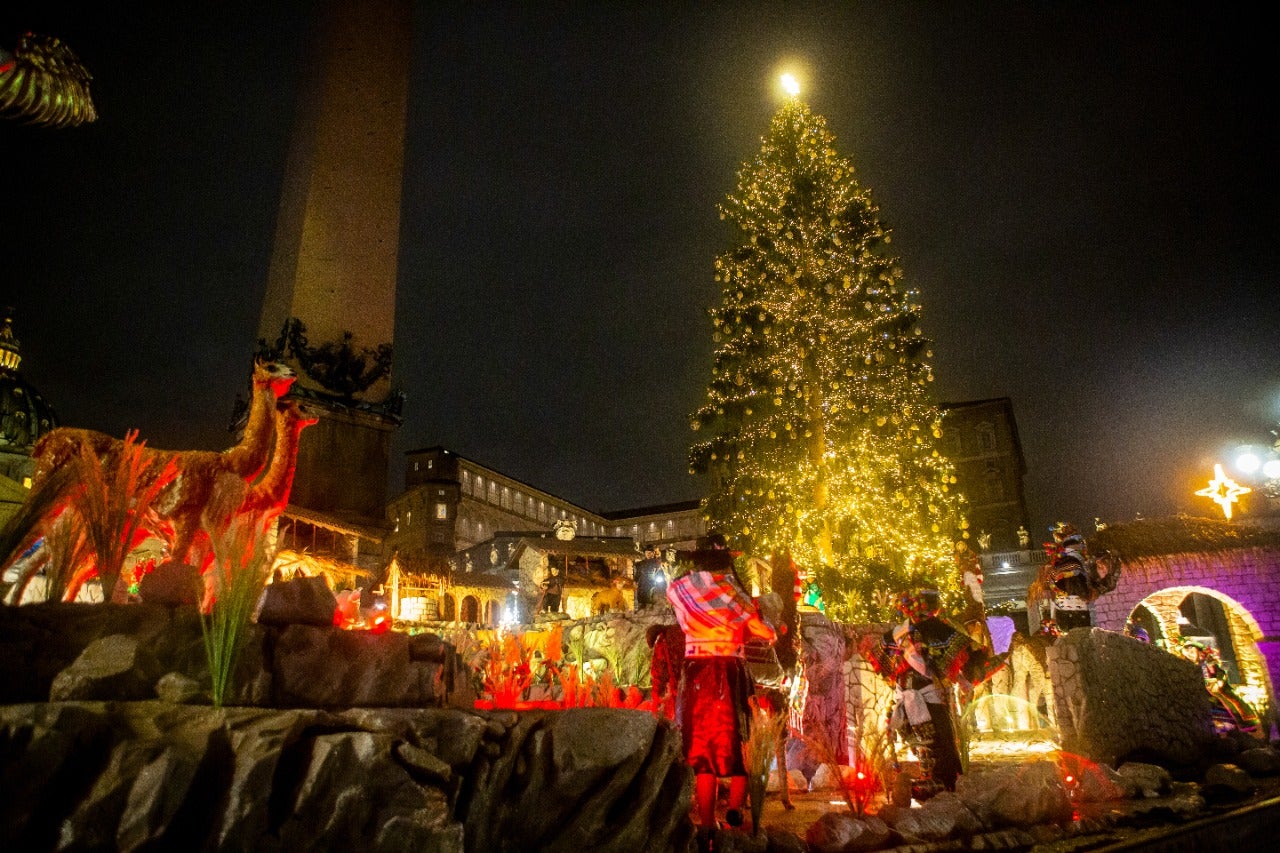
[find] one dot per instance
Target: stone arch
(470, 611)
(448, 608)
(1244, 633)
(492, 612)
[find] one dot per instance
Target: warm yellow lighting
(791, 84)
(1223, 490)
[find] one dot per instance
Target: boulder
(178, 689)
(1260, 761)
(942, 816)
(1117, 698)
(737, 841)
(114, 667)
(1022, 795)
(171, 584)
(1227, 782)
(781, 841)
(839, 832)
(329, 668)
(301, 601)
(1144, 780)
(794, 777)
(1097, 783)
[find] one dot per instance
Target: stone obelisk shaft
(334, 261)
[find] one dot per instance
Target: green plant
(239, 572)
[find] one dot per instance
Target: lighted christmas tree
(818, 432)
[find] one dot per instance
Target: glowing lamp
(1223, 490)
(790, 84)
(1248, 462)
(1271, 469)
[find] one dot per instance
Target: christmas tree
(818, 431)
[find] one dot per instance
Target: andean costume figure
(717, 618)
(922, 658)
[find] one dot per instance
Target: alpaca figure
(179, 506)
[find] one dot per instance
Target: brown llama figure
(183, 501)
(270, 495)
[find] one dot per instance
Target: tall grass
(239, 573)
(758, 753)
(114, 500)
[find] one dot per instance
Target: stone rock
(330, 668)
(1227, 782)
(737, 841)
(422, 761)
(114, 667)
(1099, 783)
(1022, 795)
(301, 601)
(178, 689)
(171, 584)
(781, 841)
(428, 647)
(558, 778)
(942, 816)
(827, 779)
(1261, 761)
(838, 832)
(1144, 780)
(1116, 698)
(47, 749)
(794, 777)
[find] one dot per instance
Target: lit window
(415, 466)
(442, 511)
(431, 463)
(26, 482)
(408, 518)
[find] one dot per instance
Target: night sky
(1084, 194)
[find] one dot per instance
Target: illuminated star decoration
(1223, 490)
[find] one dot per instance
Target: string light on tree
(818, 431)
(1223, 490)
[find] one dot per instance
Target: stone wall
(1119, 698)
(133, 775)
(1246, 580)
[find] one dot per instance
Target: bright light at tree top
(1223, 490)
(790, 84)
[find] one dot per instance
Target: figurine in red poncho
(717, 617)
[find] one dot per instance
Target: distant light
(1271, 469)
(1005, 565)
(791, 84)
(1248, 462)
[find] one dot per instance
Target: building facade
(451, 503)
(981, 439)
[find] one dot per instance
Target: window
(506, 498)
(466, 482)
(479, 487)
(415, 466)
(408, 518)
(986, 437)
(493, 492)
(431, 463)
(519, 504)
(442, 511)
(994, 483)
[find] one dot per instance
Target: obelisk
(330, 303)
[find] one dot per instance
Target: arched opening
(1173, 615)
(491, 613)
(448, 608)
(470, 609)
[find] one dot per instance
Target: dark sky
(1084, 194)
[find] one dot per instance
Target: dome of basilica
(24, 414)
